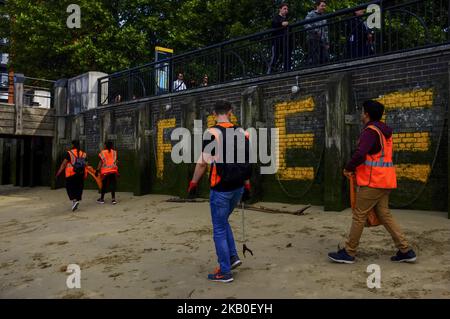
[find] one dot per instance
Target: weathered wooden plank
(6, 106)
(7, 130)
(38, 125)
(36, 111)
(7, 116)
(39, 118)
(7, 122)
(35, 132)
(7, 109)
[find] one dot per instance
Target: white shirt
(179, 85)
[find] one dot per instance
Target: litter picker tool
(244, 239)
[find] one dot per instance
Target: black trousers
(278, 55)
(318, 53)
(75, 186)
(109, 184)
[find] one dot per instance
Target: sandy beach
(145, 247)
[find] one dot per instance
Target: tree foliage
(118, 34)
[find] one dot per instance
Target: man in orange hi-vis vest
(108, 169)
(229, 184)
(375, 175)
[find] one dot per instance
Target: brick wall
(415, 94)
(414, 90)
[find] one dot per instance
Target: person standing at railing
(205, 80)
(317, 34)
(360, 39)
(192, 84)
(279, 22)
(179, 84)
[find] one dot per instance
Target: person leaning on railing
(279, 22)
(360, 39)
(317, 34)
(179, 84)
(205, 80)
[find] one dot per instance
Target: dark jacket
(277, 23)
(369, 143)
(317, 30)
(357, 42)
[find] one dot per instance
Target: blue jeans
(222, 205)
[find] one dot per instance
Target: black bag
(235, 173)
(80, 165)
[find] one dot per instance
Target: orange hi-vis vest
(378, 170)
(73, 155)
(109, 162)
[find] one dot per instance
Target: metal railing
(332, 38)
(38, 92)
(4, 82)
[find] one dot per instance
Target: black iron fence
(383, 27)
(38, 92)
(4, 82)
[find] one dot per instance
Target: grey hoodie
(320, 30)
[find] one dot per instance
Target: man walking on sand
(376, 178)
(229, 180)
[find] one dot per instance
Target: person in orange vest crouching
(74, 164)
(108, 169)
(229, 183)
(375, 176)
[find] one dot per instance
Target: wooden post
(337, 150)
(11, 86)
(60, 139)
(5, 158)
(14, 160)
(2, 161)
(190, 113)
(143, 151)
(251, 117)
(19, 101)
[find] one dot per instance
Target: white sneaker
(75, 206)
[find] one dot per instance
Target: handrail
(248, 56)
(247, 37)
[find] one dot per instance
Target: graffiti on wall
(161, 146)
(293, 141)
(406, 140)
(410, 141)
